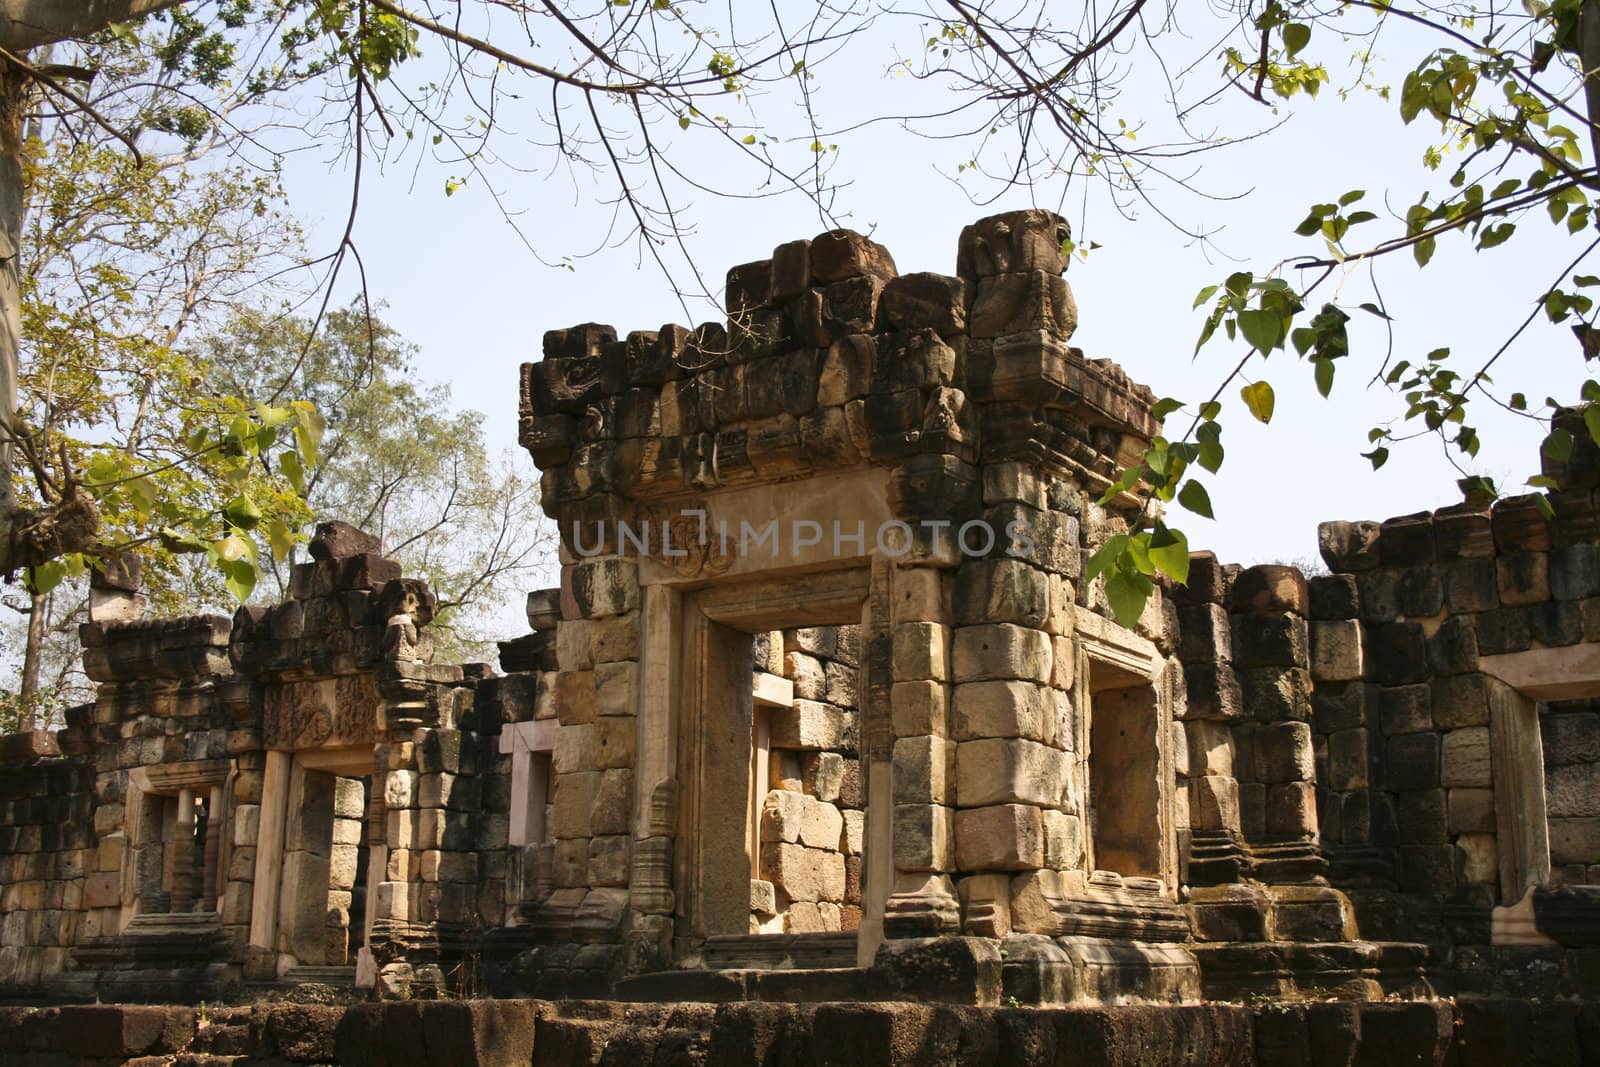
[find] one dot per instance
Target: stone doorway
(317, 856)
(746, 887)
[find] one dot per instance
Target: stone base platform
(577, 1033)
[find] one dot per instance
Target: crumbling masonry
(824, 710)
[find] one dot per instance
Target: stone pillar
(1272, 656)
(909, 648)
(273, 816)
(183, 853)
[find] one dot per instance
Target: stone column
(909, 654)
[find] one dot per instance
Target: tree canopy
(658, 101)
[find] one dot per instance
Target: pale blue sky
(461, 285)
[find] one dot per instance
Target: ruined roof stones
(832, 359)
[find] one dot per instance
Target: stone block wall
(47, 854)
(1570, 731)
(812, 817)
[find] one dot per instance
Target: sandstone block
(1523, 578)
(1470, 811)
(1210, 746)
(1336, 653)
(575, 696)
(1213, 803)
(615, 739)
(574, 748)
(1292, 808)
(1003, 708)
(918, 708)
(613, 802)
(781, 815)
(1001, 651)
(921, 652)
(1480, 859)
(986, 905)
(246, 825)
(616, 688)
(807, 725)
(1000, 771)
(1063, 839)
(1283, 753)
(1001, 590)
(1003, 837)
(808, 674)
(924, 837)
(608, 860)
(924, 770)
(823, 775)
(1465, 759)
(1348, 758)
(821, 824)
(573, 808)
(803, 873)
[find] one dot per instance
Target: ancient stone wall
(47, 852)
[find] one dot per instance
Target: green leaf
(1545, 507)
(1351, 197)
(231, 549)
(1206, 294)
(308, 432)
(46, 576)
(1378, 457)
(280, 539)
(289, 463)
(1106, 556)
(1591, 419)
(1193, 496)
(1165, 406)
(1324, 372)
(1296, 35)
(1210, 410)
(1558, 445)
(1127, 594)
(179, 542)
(1259, 398)
(1169, 551)
(242, 512)
(1422, 251)
(273, 417)
(1262, 328)
(240, 577)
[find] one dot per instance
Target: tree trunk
(38, 616)
(1589, 55)
(28, 537)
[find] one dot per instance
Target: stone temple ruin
(823, 710)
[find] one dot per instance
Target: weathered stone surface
(1465, 757)
(1000, 651)
(842, 254)
(1003, 708)
(1336, 651)
(1348, 547)
(803, 873)
(924, 837)
(924, 770)
(999, 771)
(1003, 837)
(1270, 588)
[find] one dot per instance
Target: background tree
(398, 461)
(650, 97)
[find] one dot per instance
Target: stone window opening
(177, 842)
(1125, 764)
(531, 747)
